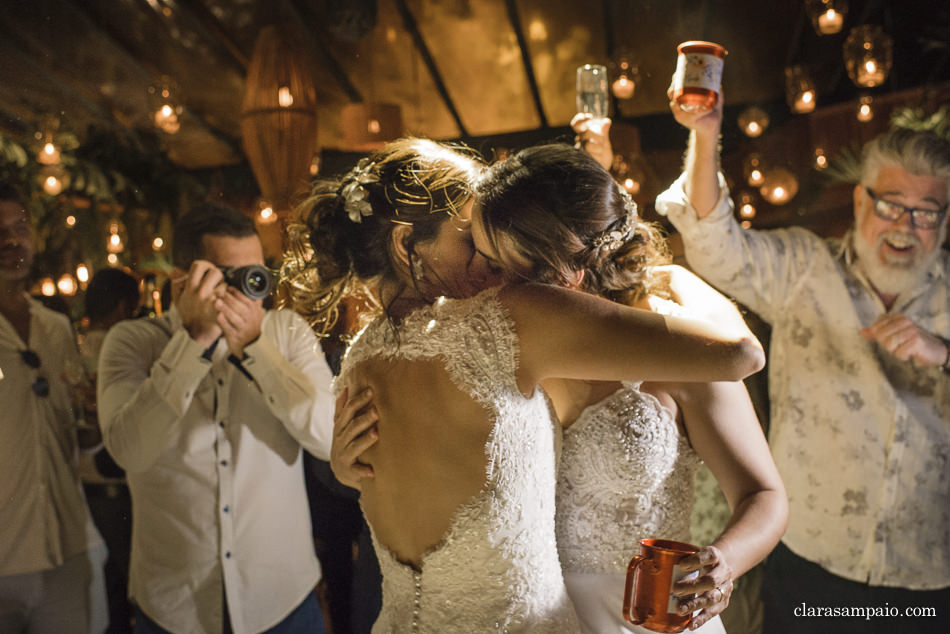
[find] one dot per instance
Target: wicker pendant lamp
(279, 116)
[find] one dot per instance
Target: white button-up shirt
(862, 440)
(213, 461)
(43, 517)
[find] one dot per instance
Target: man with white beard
(858, 381)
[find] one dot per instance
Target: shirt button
(224, 463)
(221, 424)
(220, 381)
(227, 508)
(227, 555)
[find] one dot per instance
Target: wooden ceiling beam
(409, 21)
(147, 70)
(306, 18)
(212, 24)
(515, 21)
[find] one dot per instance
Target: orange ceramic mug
(647, 598)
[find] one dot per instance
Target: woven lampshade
(279, 116)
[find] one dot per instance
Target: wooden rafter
(515, 21)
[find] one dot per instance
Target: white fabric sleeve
(288, 365)
(141, 401)
(758, 268)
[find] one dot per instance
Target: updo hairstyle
(340, 243)
(562, 211)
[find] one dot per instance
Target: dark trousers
(307, 618)
(798, 595)
(111, 509)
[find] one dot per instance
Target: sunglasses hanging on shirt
(40, 384)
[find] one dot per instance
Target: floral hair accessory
(613, 239)
(355, 196)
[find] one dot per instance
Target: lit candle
(870, 74)
(49, 155)
(157, 244)
(284, 98)
(805, 102)
(753, 129)
(66, 284)
(830, 22)
(82, 273)
(52, 185)
(623, 88)
(747, 210)
(166, 119)
(756, 177)
(865, 112)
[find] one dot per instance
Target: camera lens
(253, 280)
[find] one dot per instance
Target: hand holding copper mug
(648, 598)
(706, 586)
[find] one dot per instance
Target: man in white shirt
(858, 383)
(49, 549)
(207, 409)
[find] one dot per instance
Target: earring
(415, 267)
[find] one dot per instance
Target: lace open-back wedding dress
(626, 474)
(496, 568)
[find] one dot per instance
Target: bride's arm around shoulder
(569, 334)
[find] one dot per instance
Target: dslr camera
(254, 280)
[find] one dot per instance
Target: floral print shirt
(862, 440)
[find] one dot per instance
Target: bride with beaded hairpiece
(631, 449)
(461, 505)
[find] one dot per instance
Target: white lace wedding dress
(626, 474)
(496, 568)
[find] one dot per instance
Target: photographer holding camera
(207, 409)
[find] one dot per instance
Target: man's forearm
(702, 169)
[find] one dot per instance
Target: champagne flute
(592, 92)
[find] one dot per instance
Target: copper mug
(647, 597)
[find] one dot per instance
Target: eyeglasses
(40, 384)
(919, 218)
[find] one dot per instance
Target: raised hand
(195, 294)
(593, 136)
(240, 319)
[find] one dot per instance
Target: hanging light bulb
(827, 16)
(70, 220)
(865, 111)
(82, 273)
(780, 186)
(158, 243)
(164, 103)
(821, 161)
(800, 90)
(112, 259)
(868, 55)
(753, 121)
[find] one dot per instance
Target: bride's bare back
(430, 458)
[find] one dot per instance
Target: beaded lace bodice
(496, 567)
(626, 474)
